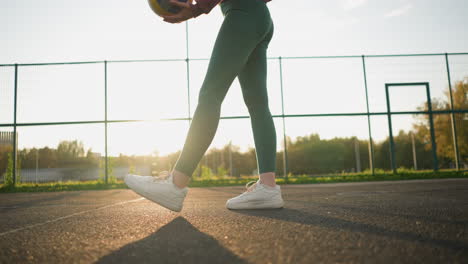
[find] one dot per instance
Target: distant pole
(230, 158)
(187, 64)
(215, 162)
(106, 161)
(285, 148)
(358, 154)
(415, 162)
(432, 130)
(390, 132)
(15, 146)
(371, 144)
(452, 116)
(37, 162)
(223, 164)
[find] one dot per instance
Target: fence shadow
(177, 242)
(337, 224)
(8, 204)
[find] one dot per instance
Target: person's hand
(184, 14)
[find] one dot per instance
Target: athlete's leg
(238, 37)
(253, 80)
(264, 193)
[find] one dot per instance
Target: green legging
(239, 51)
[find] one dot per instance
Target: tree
(443, 126)
(70, 153)
(311, 154)
(4, 151)
(404, 152)
(70, 149)
(47, 158)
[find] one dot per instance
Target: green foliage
(110, 170)
(9, 171)
(404, 152)
(4, 151)
(132, 169)
(222, 172)
(443, 125)
(336, 178)
(206, 173)
(62, 186)
(67, 150)
(18, 170)
(69, 154)
(236, 181)
(8, 180)
(313, 155)
(376, 171)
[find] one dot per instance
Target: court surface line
(67, 216)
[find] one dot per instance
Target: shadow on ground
(302, 217)
(177, 242)
(35, 202)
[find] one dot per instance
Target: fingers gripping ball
(164, 7)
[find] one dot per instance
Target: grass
(231, 181)
(337, 178)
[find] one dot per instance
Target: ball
(164, 8)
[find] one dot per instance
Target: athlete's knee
(260, 108)
(256, 104)
(209, 99)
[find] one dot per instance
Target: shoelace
(249, 185)
(162, 176)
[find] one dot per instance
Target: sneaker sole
(257, 205)
(161, 200)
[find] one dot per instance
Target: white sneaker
(257, 196)
(161, 191)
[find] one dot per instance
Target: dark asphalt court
(384, 222)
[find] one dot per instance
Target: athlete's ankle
(180, 179)
(268, 178)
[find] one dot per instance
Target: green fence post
(187, 61)
(390, 132)
(452, 115)
(285, 152)
(106, 173)
(15, 151)
(431, 127)
(371, 143)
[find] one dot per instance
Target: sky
(64, 31)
